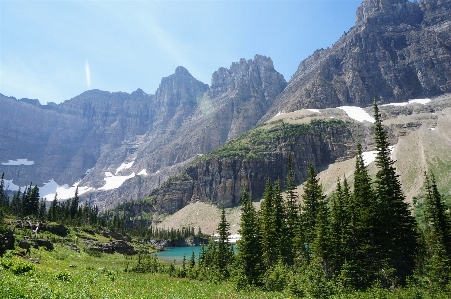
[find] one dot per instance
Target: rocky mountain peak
(179, 88)
(389, 12)
(252, 74)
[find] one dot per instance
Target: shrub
(16, 265)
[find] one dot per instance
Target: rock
(121, 247)
(24, 245)
(73, 247)
(219, 178)
(57, 229)
(6, 241)
(43, 243)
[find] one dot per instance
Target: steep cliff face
(397, 50)
(220, 176)
(119, 135)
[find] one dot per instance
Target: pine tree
(322, 244)
(225, 251)
(4, 200)
(397, 226)
(74, 205)
(268, 229)
(311, 199)
(279, 216)
(292, 215)
(437, 235)
(364, 260)
(340, 227)
(249, 257)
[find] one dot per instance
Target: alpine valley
(192, 144)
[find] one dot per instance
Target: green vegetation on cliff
(265, 138)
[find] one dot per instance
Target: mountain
(118, 147)
(397, 50)
(99, 139)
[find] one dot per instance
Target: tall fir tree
(311, 199)
(437, 234)
(397, 228)
(249, 257)
(74, 205)
(280, 215)
(292, 215)
(225, 250)
(268, 228)
(365, 225)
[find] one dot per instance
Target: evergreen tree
(16, 204)
(340, 225)
(249, 257)
(268, 228)
(397, 239)
(292, 215)
(74, 205)
(4, 200)
(437, 234)
(322, 245)
(363, 207)
(53, 210)
(42, 210)
(311, 199)
(225, 251)
(279, 216)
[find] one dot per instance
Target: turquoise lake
(177, 253)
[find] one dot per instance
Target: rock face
(219, 177)
(397, 50)
(155, 135)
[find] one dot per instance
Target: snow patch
(89, 170)
(314, 110)
(432, 129)
(370, 157)
(114, 182)
(412, 101)
(9, 185)
(18, 162)
(357, 113)
(51, 188)
(124, 166)
(143, 172)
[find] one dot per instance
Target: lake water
(176, 253)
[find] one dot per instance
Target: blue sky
(55, 50)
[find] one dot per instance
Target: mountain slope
(397, 50)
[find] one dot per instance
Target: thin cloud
(88, 74)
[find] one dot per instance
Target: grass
(64, 273)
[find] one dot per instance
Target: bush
(16, 265)
(276, 278)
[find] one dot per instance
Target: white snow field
(357, 113)
(412, 101)
(314, 110)
(114, 181)
(51, 188)
(143, 172)
(370, 157)
(124, 166)
(18, 162)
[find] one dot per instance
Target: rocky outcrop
(219, 177)
(6, 241)
(397, 50)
